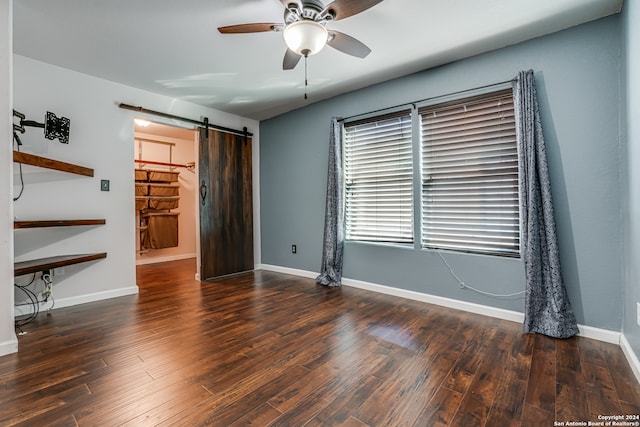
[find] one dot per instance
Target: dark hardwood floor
(268, 349)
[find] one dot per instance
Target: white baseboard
(605, 335)
(98, 296)
(499, 313)
(484, 310)
(287, 270)
(81, 299)
(9, 347)
(631, 356)
(156, 260)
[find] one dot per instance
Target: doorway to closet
(194, 198)
(166, 193)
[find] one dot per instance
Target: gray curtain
(331, 270)
(547, 307)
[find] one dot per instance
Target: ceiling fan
(304, 28)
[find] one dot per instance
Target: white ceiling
(173, 47)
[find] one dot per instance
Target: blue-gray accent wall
(578, 77)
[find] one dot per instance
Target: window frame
(513, 223)
(382, 235)
(418, 221)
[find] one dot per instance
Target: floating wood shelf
(57, 223)
(43, 162)
(42, 264)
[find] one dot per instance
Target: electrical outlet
(638, 312)
(294, 249)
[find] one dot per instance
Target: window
(378, 165)
(466, 183)
(470, 175)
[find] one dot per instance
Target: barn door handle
(203, 191)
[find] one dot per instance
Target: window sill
(410, 246)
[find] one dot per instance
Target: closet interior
(165, 183)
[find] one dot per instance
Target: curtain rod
(424, 100)
(205, 123)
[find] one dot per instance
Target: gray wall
(631, 129)
(577, 72)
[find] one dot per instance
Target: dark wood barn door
(226, 204)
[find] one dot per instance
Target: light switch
(104, 185)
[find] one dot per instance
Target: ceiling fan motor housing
(311, 10)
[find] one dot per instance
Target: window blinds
(470, 175)
(379, 179)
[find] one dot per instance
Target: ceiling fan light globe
(305, 37)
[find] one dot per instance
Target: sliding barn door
(226, 204)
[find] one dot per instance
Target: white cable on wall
(465, 286)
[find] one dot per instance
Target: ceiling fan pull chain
(305, 77)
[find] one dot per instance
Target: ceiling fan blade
(250, 28)
(290, 60)
(341, 9)
(347, 44)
